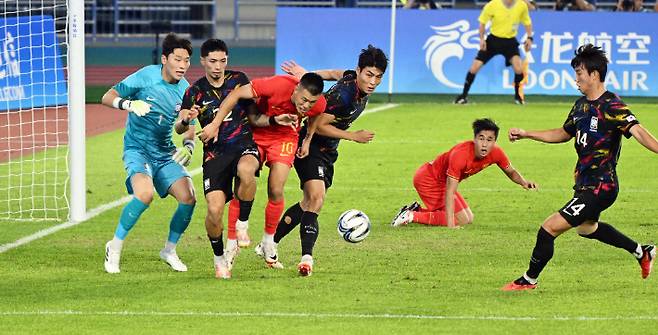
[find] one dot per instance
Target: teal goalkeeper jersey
(151, 133)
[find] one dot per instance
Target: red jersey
(460, 162)
(273, 98)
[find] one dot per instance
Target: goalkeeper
(153, 95)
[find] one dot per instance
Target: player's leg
(463, 214)
(438, 217)
(247, 169)
(242, 234)
(139, 183)
(470, 78)
(183, 191)
(517, 66)
(216, 200)
(430, 192)
(275, 205)
(314, 191)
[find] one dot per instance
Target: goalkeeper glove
(139, 107)
(183, 155)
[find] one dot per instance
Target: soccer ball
(353, 225)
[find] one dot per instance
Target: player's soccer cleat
(222, 270)
(646, 261)
(242, 228)
(519, 285)
(461, 100)
(403, 217)
(519, 100)
(112, 258)
(172, 259)
(414, 206)
(305, 267)
(229, 256)
(269, 254)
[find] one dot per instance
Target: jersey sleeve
(456, 164)
(264, 87)
(501, 158)
(622, 117)
(128, 87)
(570, 124)
(318, 108)
(486, 15)
(525, 15)
(243, 80)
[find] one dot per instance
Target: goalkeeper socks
(233, 213)
(291, 218)
(180, 221)
(609, 235)
(245, 209)
(129, 217)
(308, 232)
(542, 253)
(470, 77)
(517, 83)
(273, 212)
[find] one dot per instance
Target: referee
(505, 16)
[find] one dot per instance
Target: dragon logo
(449, 41)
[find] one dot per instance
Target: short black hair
(312, 82)
(213, 45)
(372, 56)
(592, 59)
(485, 124)
(172, 42)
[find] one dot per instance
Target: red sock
(233, 212)
(273, 212)
(435, 218)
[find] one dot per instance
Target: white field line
(330, 315)
(105, 207)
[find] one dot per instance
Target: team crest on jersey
(594, 124)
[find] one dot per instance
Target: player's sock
(180, 221)
(609, 235)
(217, 247)
(233, 213)
(291, 218)
(541, 254)
(245, 209)
(308, 232)
(129, 217)
(470, 77)
(517, 84)
(434, 218)
(231, 244)
(170, 247)
(273, 212)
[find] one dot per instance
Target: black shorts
(508, 47)
(318, 165)
(219, 172)
(586, 205)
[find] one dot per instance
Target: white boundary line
(330, 315)
(105, 207)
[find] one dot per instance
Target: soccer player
(505, 16)
(283, 101)
(153, 95)
(346, 100)
(436, 182)
(597, 121)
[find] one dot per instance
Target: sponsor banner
(434, 49)
(31, 72)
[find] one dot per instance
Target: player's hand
(192, 113)
(183, 155)
(516, 134)
(527, 44)
(362, 136)
(529, 185)
(304, 149)
(139, 107)
(292, 68)
(483, 44)
(286, 119)
(208, 133)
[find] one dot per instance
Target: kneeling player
(436, 182)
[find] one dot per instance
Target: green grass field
(413, 279)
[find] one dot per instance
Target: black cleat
(461, 100)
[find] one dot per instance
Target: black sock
(290, 219)
(245, 210)
(217, 245)
(517, 83)
(308, 232)
(542, 253)
(609, 235)
(470, 77)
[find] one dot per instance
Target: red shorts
(276, 149)
(433, 192)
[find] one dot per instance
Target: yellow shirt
(505, 20)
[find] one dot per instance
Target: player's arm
(644, 137)
(483, 40)
(527, 44)
(185, 116)
(258, 119)
(557, 135)
(292, 68)
(211, 130)
(451, 188)
(113, 99)
(516, 177)
(326, 129)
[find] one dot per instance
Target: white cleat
(269, 253)
(305, 267)
(230, 255)
(222, 270)
(403, 217)
(242, 230)
(112, 258)
(172, 259)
